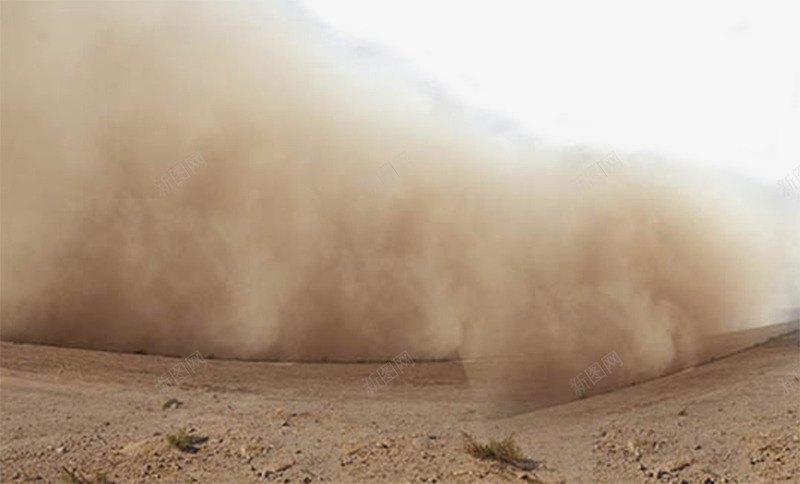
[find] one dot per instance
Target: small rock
(683, 413)
(172, 403)
(279, 467)
(61, 450)
(679, 465)
(246, 455)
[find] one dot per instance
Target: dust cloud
(344, 211)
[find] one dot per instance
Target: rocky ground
(84, 413)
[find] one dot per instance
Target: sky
(706, 82)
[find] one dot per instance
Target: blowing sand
(291, 240)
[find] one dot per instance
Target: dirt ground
(736, 419)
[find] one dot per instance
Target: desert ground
(91, 415)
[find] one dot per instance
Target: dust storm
(341, 210)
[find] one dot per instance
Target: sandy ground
(736, 419)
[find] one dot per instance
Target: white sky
(716, 83)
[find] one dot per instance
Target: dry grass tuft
(505, 452)
(185, 442)
(75, 477)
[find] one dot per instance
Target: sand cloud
(293, 241)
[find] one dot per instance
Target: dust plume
(343, 211)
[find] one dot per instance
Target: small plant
(69, 477)
(74, 477)
(185, 442)
(505, 451)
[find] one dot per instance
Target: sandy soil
(736, 419)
